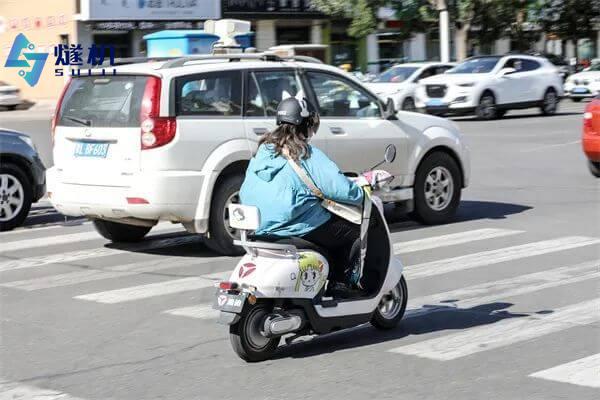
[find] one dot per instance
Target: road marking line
(15, 391)
(152, 244)
(147, 291)
(503, 333)
(451, 239)
(47, 241)
(119, 271)
(20, 231)
(203, 311)
(582, 372)
(549, 146)
(490, 257)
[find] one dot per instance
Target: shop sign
(148, 10)
(300, 8)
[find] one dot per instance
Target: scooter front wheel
(391, 308)
(247, 335)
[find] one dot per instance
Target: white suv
(171, 140)
(489, 86)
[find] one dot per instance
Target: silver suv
(171, 140)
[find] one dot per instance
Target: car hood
(385, 87)
(455, 79)
(586, 75)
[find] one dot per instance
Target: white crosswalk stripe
(71, 238)
(503, 333)
(491, 257)
(203, 311)
(68, 257)
(16, 391)
(583, 372)
(451, 239)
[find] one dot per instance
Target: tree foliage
(361, 13)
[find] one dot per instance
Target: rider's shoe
(340, 290)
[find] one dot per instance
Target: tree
(361, 13)
(569, 19)
(525, 29)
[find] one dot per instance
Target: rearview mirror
(506, 71)
(390, 153)
(389, 111)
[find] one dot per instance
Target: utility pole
(442, 8)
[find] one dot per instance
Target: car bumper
(591, 146)
(168, 195)
(38, 171)
(9, 100)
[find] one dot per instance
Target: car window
(265, 89)
(395, 74)
(338, 97)
(530, 65)
(515, 63)
(478, 65)
(431, 71)
(210, 94)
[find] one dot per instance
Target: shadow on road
(515, 116)
(424, 321)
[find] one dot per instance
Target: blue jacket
(287, 206)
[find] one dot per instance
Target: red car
(591, 135)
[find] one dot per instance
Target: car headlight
(28, 140)
(468, 84)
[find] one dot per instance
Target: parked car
(172, 140)
(591, 135)
(400, 81)
(22, 178)
(489, 86)
(584, 84)
(9, 96)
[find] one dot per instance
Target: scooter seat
(298, 242)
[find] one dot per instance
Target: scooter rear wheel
(391, 309)
(247, 338)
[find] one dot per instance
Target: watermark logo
(73, 57)
(32, 60)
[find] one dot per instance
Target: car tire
(117, 232)
(576, 99)
(435, 202)
(549, 102)
(11, 108)
(409, 105)
(594, 167)
(500, 113)
(486, 109)
(221, 236)
(16, 193)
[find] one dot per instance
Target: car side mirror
(389, 111)
(506, 71)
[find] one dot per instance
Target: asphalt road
(503, 303)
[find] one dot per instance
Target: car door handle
(260, 131)
(336, 130)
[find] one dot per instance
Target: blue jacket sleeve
(330, 180)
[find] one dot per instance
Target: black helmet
(294, 110)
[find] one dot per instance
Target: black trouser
(337, 236)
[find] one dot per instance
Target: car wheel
(486, 109)
(117, 232)
(16, 194)
(11, 108)
(221, 235)
(437, 189)
(409, 105)
(549, 102)
(500, 113)
(575, 99)
(594, 167)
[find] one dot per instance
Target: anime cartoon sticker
(310, 272)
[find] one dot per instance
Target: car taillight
(587, 120)
(57, 110)
(156, 131)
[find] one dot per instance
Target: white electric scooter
(278, 288)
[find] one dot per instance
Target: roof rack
(181, 61)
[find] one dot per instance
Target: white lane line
(54, 240)
(582, 372)
(549, 146)
(119, 271)
(23, 231)
(464, 298)
(451, 239)
(152, 244)
(490, 257)
(489, 292)
(503, 333)
(203, 311)
(16, 391)
(146, 291)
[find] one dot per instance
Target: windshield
(395, 74)
(480, 65)
(594, 67)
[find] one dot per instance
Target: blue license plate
(580, 90)
(435, 102)
(87, 149)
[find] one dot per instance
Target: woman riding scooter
(288, 207)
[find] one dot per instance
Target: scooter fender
(276, 275)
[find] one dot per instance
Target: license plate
(87, 149)
(230, 302)
(580, 90)
(435, 102)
